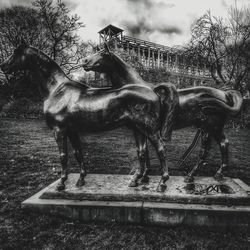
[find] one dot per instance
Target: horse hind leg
(61, 139)
(145, 177)
(223, 144)
(141, 153)
(158, 144)
(76, 145)
(205, 147)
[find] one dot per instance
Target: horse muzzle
(89, 64)
(86, 67)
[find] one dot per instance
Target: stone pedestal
(206, 202)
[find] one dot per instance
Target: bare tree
(48, 26)
(17, 22)
(222, 45)
(61, 29)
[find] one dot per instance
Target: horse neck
(121, 73)
(49, 75)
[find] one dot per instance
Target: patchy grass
(29, 162)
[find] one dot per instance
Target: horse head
(100, 61)
(18, 60)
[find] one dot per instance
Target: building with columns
(156, 56)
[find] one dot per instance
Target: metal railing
(149, 44)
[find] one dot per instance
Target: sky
(165, 22)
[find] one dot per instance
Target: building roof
(112, 27)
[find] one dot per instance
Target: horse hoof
(218, 176)
(80, 182)
(133, 184)
(162, 187)
(60, 187)
(189, 179)
(145, 179)
(165, 177)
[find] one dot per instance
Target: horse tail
(237, 101)
(233, 105)
(169, 103)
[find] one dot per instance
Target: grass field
(29, 162)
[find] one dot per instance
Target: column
(116, 47)
(148, 57)
(158, 59)
(143, 56)
(139, 52)
(176, 63)
(167, 60)
(153, 59)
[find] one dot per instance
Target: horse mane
(53, 63)
(123, 67)
(41, 54)
(45, 57)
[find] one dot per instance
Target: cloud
(153, 20)
(142, 28)
(144, 19)
(70, 4)
(8, 3)
(162, 21)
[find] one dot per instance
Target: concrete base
(108, 198)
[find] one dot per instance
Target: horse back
(190, 96)
(206, 105)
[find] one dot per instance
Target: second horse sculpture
(72, 108)
(203, 107)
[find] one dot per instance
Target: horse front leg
(76, 145)
(145, 177)
(158, 144)
(141, 153)
(61, 139)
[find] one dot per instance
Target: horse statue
(205, 108)
(72, 109)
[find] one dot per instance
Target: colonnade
(165, 57)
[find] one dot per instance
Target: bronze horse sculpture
(72, 109)
(205, 108)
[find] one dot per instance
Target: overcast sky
(162, 21)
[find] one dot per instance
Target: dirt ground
(29, 162)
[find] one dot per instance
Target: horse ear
(106, 47)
